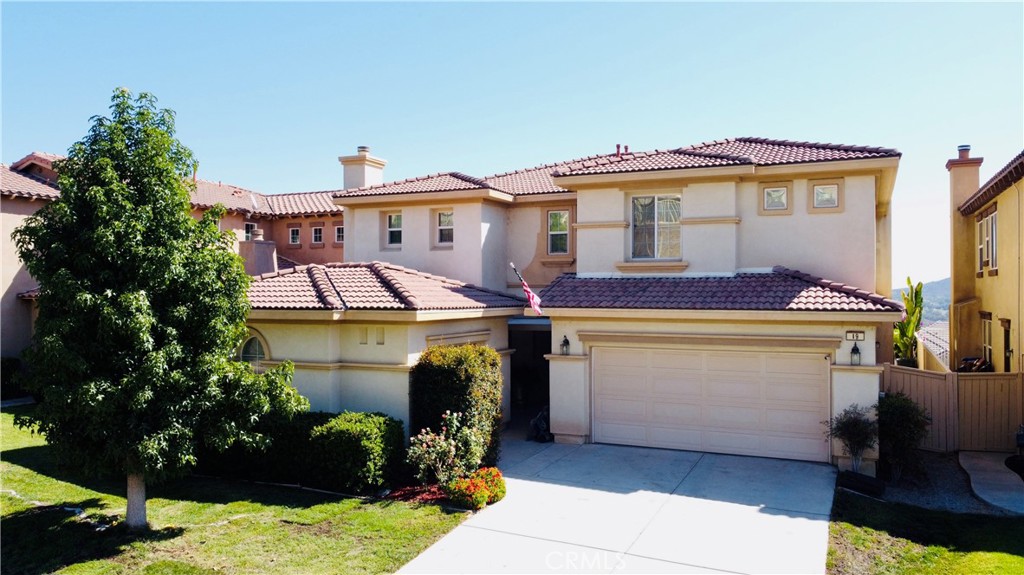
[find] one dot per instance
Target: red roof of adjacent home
(446, 182)
(536, 180)
(21, 185)
(738, 151)
(233, 198)
(369, 286)
(780, 290)
(1006, 176)
(303, 204)
(43, 158)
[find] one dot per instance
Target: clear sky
(268, 95)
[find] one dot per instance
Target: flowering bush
(470, 493)
(495, 483)
(451, 454)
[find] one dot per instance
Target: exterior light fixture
(564, 348)
(855, 355)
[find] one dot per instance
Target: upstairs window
(445, 227)
(318, 235)
(250, 227)
(988, 244)
(339, 234)
(253, 352)
(293, 236)
(656, 233)
(558, 232)
(394, 229)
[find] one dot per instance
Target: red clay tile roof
(43, 158)
(284, 263)
(738, 151)
(781, 290)
(369, 286)
(446, 182)
(537, 180)
(303, 204)
(233, 198)
(1007, 175)
(14, 183)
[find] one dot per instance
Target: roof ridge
(703, 154)
(324, 287)
(383, 271)
(544, 166)
(453, 174)
(837, 286)
(805, 144)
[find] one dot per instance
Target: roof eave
(597, 180)
(411, 198)
(999, 183)
(734, 316)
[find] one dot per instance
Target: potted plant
(856, 430)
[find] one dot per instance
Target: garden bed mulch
(420, 494)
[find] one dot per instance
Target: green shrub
(10, 367)
(452, 453)
(357, 451)
(902, 426)
(492, 478)
(855, 430)
(468, 493)
(464, 379)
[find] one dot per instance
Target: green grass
(870, 536)
(200, 526)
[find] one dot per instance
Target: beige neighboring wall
(528, 244)
(306, 252)
(16, 331)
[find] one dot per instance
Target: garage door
(747, 403)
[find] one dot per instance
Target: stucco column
(569, 397)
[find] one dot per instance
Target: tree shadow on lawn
(957, 531)
(44, 539)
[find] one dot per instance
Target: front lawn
(871, 536)
(200, 525)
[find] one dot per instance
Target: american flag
(531, 297)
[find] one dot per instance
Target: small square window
(774, 199)
(318, 235)
(250, 227)
(293, 236)
(445, 227)
(394, 229)
(339, 234)
(825, 196)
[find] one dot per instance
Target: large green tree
(141, 309)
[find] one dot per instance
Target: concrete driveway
(613, 509)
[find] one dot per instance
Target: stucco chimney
(362, 169)
(260, 255)
(963, 317)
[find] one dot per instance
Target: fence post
(953, 410)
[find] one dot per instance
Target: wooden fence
(970, 411)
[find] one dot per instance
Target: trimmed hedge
(358, 451)
(10, 367)
(458, 378)
(349, 452)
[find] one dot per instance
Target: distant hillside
(936, 300)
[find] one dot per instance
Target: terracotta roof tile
(302, 204)
(738, 151)
(537, 180)
(370, 286)
(13, 183)
(446, 182)
(234, 198)
(781, 290)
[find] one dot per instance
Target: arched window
(254, 351)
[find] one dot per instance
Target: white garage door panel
(747, 403)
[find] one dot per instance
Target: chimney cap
(363, 150)
(963, 148)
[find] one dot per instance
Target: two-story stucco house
(986, 247)
(673, 277)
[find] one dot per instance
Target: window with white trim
(986, 339)
(981, 245)
(656, 233)
(394, 228)
(988, 240)
(250, 227)
(445, 221)
(558, 232)
(993, 245)
(339, 234)
(318, 235)
(294, 237)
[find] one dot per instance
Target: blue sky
(268, 95)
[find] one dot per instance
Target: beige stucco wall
(598, 248)
(527, 245)
(570, 393)
(364, 366)
(16, 328)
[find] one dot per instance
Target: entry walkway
(992, 480)
(613, 509)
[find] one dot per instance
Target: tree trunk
(136, 516)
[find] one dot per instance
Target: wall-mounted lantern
(855, 355)
(564, 348)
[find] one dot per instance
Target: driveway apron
(615, 509)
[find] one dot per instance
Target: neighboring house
(273, 231)
(933, 347)
(986, 269)
(354, 330)
(664, 273)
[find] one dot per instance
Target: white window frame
(389, 228)
(438, 228)
(986, 339)
(981, 245)
(294, 236)
(658, 225)
(339, 234)
(993, 245)
(314, 234)
(560, 233)
(250, 229)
